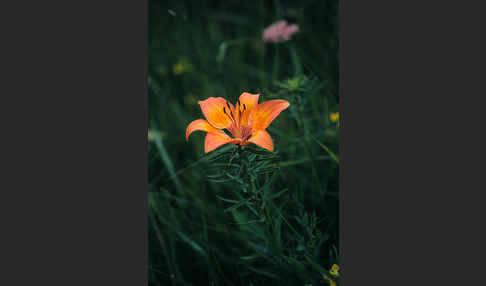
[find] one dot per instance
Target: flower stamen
(229, 108)
(230, 115)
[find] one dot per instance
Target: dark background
(199, 49)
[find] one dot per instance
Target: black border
(409, 196)
(74, 187)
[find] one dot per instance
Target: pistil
(238, 131)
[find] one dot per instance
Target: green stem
(275, 64)
(327, 150)
(247, 179)
(299, 108)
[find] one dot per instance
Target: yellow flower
(334, 270)
(182, 66)
(178, 68)
(334, 116)
(331, 282)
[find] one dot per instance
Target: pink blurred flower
(279, 32)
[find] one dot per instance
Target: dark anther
(244, 107)
(239, 102)
(229, 108)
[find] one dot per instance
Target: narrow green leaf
(263, 272)
(193, 244)
(327, 149)
(227, 200)
(296, 61)
(166, 159)
(278, 194)
(239, 204)
(251, 257)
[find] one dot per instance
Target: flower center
(238, 129)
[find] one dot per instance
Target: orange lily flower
(246, 122)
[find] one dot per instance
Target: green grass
(203, 228)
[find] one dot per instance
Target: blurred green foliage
(202, 229)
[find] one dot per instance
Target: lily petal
(247, 102)
(202, 125)
(213, 109)
(262, 139)
(215, 140)
(264, 113)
